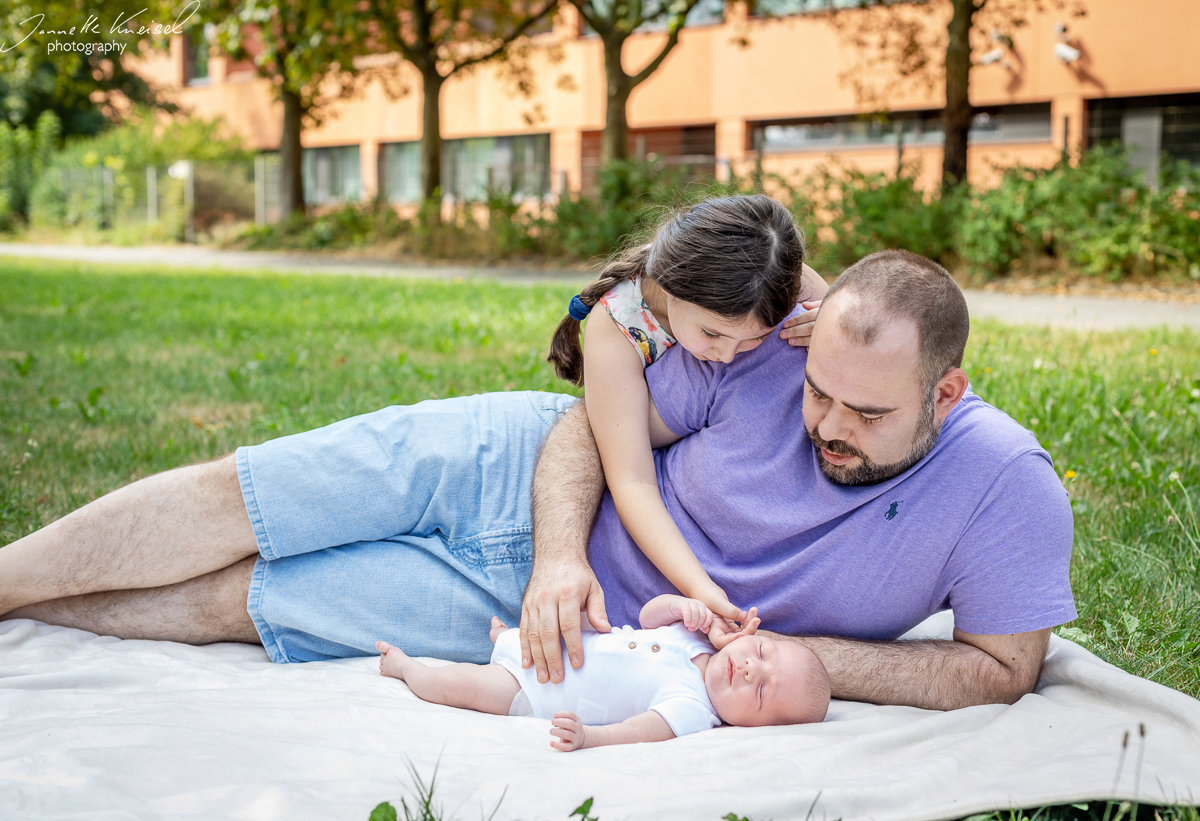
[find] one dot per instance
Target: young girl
(651, 684)
(716, 279)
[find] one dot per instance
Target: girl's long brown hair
(738, 257)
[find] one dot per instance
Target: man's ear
(949, 390)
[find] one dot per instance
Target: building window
(704, 13)
(691, 150)
(518, 166)
(400, 171)
(783, 8)
(999, 125)
(1148, 126)
(196, 43)
(331, 175)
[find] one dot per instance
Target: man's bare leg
(202, 610)
(161, 530)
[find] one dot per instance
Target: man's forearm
(933, 674)
(568, 484)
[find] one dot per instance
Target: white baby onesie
(624, 673)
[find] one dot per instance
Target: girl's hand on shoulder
(798, 330)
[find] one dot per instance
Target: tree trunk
(956, 118)
(291, 176)
(615, 142)
(431, 142)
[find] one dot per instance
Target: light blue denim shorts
(410, 524)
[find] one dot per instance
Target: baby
(651, 684)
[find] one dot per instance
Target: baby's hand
(798, 330)
(722, 632)
(568, 731)
(694, 614)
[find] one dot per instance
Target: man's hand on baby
(554, 598)
(798, 330)
(568, 731)
(723, 631)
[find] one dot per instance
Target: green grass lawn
(110, 375)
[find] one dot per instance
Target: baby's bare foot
(498, 627)
(392, 660)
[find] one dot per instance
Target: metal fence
(183, 199)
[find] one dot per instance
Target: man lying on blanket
(415, 525)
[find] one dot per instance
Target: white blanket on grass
(98, 728)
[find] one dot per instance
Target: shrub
(999, 226)
(629, 194)
(92, 180)
(353, 224)
(23, 157)
(1098, 215)
(867, 212)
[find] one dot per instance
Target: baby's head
(755, 681)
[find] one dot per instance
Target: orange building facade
(742, 92)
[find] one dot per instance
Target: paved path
(298, 262)
(1079, 312)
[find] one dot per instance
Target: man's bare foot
(498, 627)
(392, 660)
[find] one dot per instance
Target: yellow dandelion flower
(1154, 351)
(1070, 474)
(987, 370)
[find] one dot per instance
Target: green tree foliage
(44, 67)
(297, 46)
(123, 152)
(615, 21)
(24, 154)
(440, 40)
(901, 45)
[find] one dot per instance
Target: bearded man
(908, 495)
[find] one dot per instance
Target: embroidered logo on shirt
(892, 511)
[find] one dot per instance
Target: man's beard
(867, 472)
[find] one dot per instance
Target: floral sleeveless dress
(625, 305)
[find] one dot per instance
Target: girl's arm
(812, 286)
(571, 734)
(618, 404)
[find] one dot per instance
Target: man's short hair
(902, 285)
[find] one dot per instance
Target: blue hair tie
(577, 310)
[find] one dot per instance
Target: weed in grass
(584, 811)
(23, 366)
(423, 807)
(1080, 811)
(1121, 423)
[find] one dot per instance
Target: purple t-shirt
(982, 525)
